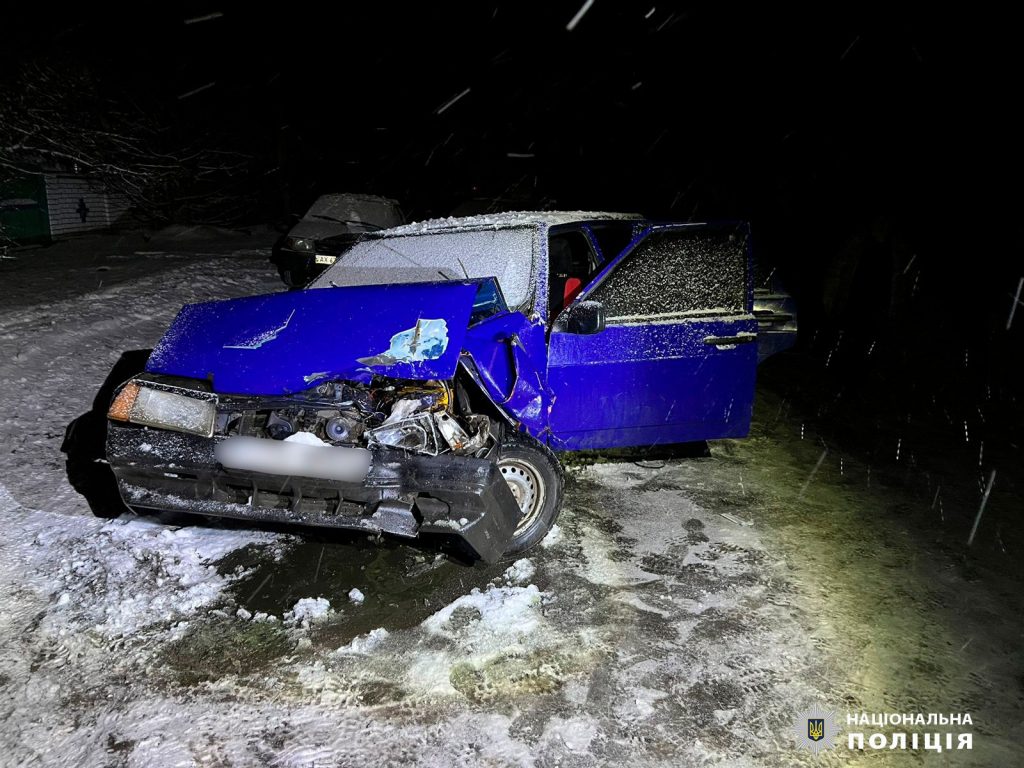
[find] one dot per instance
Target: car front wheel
(293, 278)
(535, 478)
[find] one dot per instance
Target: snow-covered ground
(682, 613)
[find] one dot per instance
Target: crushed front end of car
(346, 408)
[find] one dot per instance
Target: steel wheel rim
(528, 489)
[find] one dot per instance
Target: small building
(40, 207)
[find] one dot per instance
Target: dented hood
(287, 342)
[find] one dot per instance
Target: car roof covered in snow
(505, 221)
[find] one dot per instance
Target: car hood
(315, 229)
(287, 342)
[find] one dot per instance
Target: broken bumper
(402, 494)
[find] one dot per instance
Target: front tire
(535, 478)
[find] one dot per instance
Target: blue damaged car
(423, 385)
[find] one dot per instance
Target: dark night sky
(811, 123)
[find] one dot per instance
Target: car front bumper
(402, 494)
(300, 267)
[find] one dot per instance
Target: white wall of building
(78, 204)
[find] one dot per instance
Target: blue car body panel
(656, 379)
(650, 384)
(287, 342)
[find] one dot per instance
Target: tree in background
(57, 117)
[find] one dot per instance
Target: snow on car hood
(287, 342)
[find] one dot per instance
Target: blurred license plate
(286, 458)
(320, 259)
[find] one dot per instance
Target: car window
(487, 302)
(571, 265)
(505, 254)
(376, 213)
(699, 271)
(612, 237)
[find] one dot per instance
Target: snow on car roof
(506, 220)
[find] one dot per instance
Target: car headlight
(181, 410)
(303, 244)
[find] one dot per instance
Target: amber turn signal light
(121, 408)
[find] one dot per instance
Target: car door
(675, 359)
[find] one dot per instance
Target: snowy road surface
(681, 614)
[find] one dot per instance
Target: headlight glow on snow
(178, 410)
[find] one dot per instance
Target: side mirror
(583, 318)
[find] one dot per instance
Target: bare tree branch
(54, 118)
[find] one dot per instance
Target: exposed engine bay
(422, 417)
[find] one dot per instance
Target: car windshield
(375, 213)
(505, 254)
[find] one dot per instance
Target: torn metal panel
(509, 353)
(416, 433)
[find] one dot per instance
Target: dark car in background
(328, 229)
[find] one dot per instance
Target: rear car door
(676, 359)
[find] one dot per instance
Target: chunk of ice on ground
(309, 610)
(501, 609)
(520, 572)
(554, 537)
(356, 596)
(363, 644)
